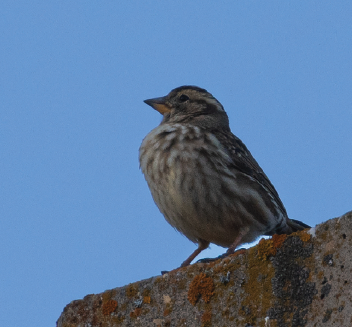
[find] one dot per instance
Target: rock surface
(299, 280)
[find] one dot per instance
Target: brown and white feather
(202, 177)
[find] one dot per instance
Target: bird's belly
(198, 194)
(215, 207)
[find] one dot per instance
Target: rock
(303, 279)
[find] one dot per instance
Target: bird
(203, 178)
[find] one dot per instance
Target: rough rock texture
(299, 280)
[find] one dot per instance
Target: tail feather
(297, 225)
(291, 227)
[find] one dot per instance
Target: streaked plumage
(203, 178)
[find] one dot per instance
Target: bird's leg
(202, 246)
(237, 241)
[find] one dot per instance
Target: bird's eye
(183, 98)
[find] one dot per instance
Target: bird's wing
(243, 161)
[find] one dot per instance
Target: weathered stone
(300, 280)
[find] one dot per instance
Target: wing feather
(243, 161)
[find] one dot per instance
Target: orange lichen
(268, 248)
(107, 295)
(167, 311)
(257, 287)
(135, 313)
(202, 286)
(147, 299)
(305, 237)
(131, 291)
(278, 240)
(206, 319)
(109, 306)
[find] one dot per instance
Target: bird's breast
(186, 170)
(172, 156)
(189, 175)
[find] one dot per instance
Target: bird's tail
(297, 225)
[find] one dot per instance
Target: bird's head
(193, 105)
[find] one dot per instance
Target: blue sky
(76, 214)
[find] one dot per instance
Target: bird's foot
(208, 260)
(222, 256)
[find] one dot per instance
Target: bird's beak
(159, 104)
